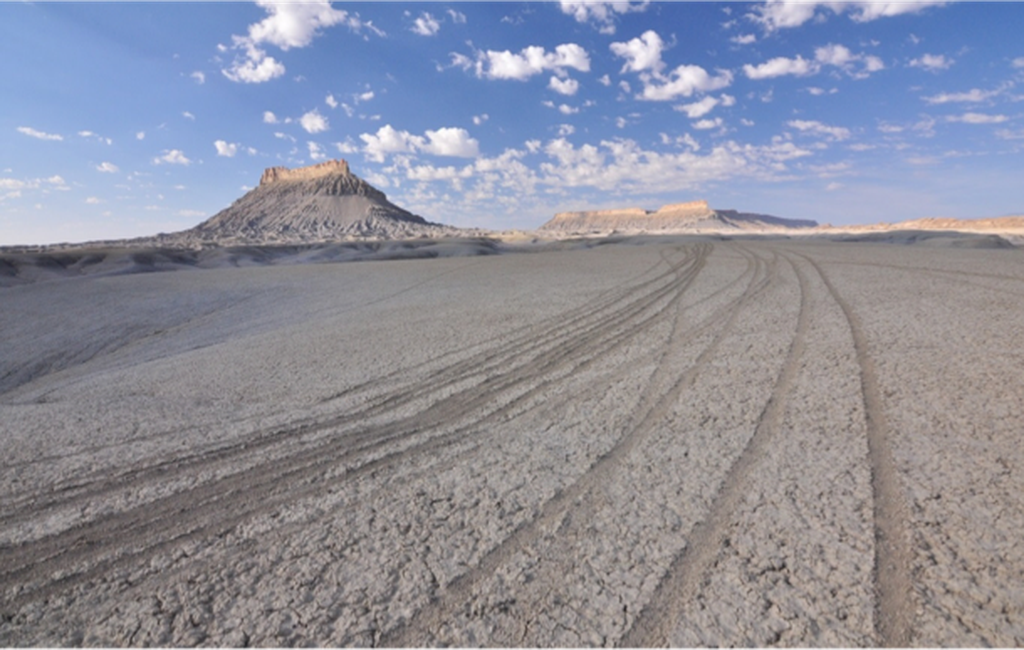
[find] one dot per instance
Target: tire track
(895, 605)
(460, 590)
(457, 437)
(488, 364)
(156, 525)
(682, 581)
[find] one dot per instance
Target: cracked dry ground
(668, 442)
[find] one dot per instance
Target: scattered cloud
(564, 86)
(706, 124)
(528, 62)
(95, 136)
(698, 109)
(458, 17)
(858, 66)
(172, 157)
(425, 25)
(743, 39)
(977, 118)
(141, 135)
(974, 95)
(446, 141)
(331, 101)
(642, 53)
(684, 81)
(347, 147)
(226, 149)
(780, 66)
(41, 135)
(480, 119)
(17, 185)
(288, 25)
(188, 116)
(604, 80)
(199, 77)
(93, 200)
(316, 152)
(932, 62)
(817, 128)
(601, 14)
(784, 14)
(269, 117)
(314, 122)
(107, 167)
(1018, 62)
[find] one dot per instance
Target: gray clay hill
(322, 202)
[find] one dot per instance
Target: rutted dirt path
(676, 443)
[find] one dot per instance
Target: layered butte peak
(331, 167)
(691, 216)
(318, 203)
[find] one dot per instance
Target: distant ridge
(694, 216)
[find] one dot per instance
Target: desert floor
(676, 442)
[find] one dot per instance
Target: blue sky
(127, 119)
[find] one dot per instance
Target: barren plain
(684, 441)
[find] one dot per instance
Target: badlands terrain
(683, 440)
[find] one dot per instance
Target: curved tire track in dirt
(654, 625)
(894, 613)
(220, 504)
(460, 590)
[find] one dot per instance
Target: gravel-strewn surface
(682, 442)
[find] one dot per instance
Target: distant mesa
(694, 216)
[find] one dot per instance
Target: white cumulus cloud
(316, 152)
(815, 127)
(858, 66)
(698, 109)
(226, 149)
(425, 25)
(641, 53)
(932, 62)
(314, 122)
(288, 25)
(684, 81)
(522, 65)
(107, 167)
(172, 157)
(780, 66)
(782, 14)
(601, 14)
(446, 141)
(564, 86)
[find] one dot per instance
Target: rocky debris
(693, 216)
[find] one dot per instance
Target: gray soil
(679, 442)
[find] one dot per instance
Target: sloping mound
(319, 203)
